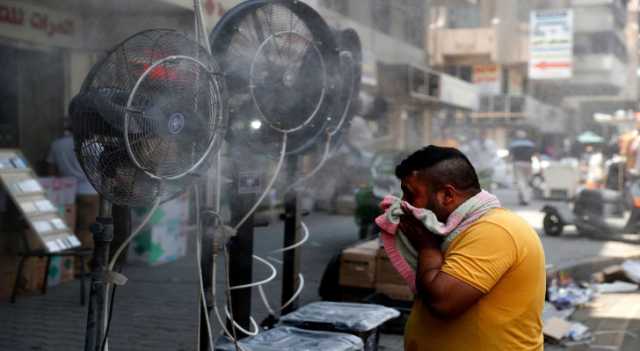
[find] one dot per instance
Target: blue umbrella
(521, 143)
(590, 137)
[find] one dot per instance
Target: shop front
(47, 47)
(426, 106)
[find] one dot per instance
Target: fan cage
(245, 38)
(108, 103)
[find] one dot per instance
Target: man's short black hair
(442, 165)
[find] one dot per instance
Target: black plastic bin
(361, 320)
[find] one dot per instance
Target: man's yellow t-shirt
(502, 256)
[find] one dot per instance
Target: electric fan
(351, 76)
(147, 118)
(289, 84)
(281, 65)
(145, 122)
(346, 103)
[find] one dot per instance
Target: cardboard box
(556, 328)
(68, 213)
(164, 239)
(8, 268)
(61, 270)
(32, 278)
(388, 281)
(60, 190)
(358, 265)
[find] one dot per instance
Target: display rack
(22, 186)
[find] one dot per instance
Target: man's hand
(444, 295)
(418, 235)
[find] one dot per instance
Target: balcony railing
(515, 106)
(503, 105)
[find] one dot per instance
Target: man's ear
(448, 195)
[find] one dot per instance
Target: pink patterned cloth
(402, 255)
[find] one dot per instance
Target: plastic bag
(343, 316)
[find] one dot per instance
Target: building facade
(486, 42)
(47, 48)
(419, 100)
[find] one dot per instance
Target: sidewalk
(614, 319)
(157, 309)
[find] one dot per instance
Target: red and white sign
(38, 24)
(487, 78)
(551, 44)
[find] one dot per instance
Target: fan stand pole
(206, 263)
(241, 248)
(291, 258)
(102, 232)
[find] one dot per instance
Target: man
(486, 291)
(63, 162)
(522, 150)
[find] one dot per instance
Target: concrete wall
(600, 69)
(384, 47)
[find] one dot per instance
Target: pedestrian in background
(63, 162)
(482, 151)
(522, 150)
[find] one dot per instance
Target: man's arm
(445, 296)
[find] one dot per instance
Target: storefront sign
(551, 44)
(487, 78)
(38, 24)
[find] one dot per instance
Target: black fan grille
(175, 117)
(351, 78)
(280, 62)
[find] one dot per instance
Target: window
(466, 73)
(414, 22)
(600, 43)
(517, 104)
(499, 103)
(463, 17)
(463, 72)
(485, 103)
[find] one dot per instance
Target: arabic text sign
(38, 24)
(551, 44)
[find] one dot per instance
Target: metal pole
(241, 248)
(291, 258)
(102, 232)
(208, 223)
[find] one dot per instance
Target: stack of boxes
(367, 266)
(164, 238)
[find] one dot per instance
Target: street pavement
(157, 309)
